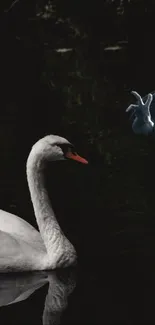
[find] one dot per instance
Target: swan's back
(18, 227)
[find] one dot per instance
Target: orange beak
(76, 157)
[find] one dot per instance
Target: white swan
(22, 247)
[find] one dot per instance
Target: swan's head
(53, 148)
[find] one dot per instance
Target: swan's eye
(67, 148)
(72, 150)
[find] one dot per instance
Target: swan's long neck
(56, 243)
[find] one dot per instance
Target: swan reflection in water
(17, 287)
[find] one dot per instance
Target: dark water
(119, 292)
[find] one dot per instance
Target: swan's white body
(22, 247)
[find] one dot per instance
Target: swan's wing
(17, 255)
(16, 226)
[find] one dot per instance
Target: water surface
(119, 292)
